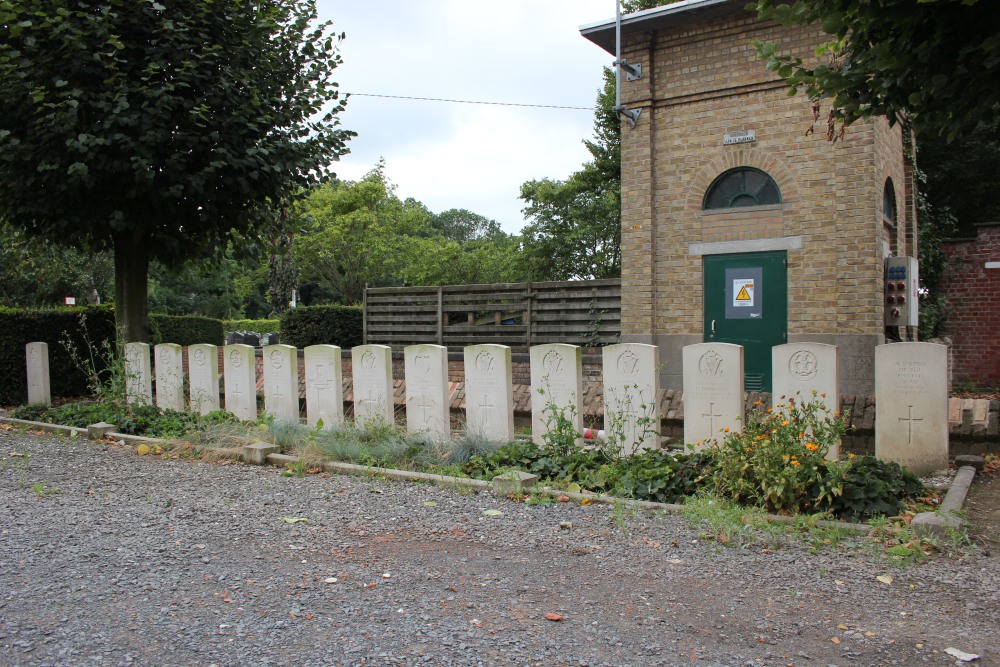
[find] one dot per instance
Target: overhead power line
(498, 104)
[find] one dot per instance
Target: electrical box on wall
(902, 284)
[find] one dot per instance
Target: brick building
(723, 189)
(972, 273)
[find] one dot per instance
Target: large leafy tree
(161, 129)
(576, 224)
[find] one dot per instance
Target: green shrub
(872, 487)
(20, 327)
(323, 325)
(257, 326)
(665, 478)
(185, 330)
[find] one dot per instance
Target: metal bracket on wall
(631, 115)
(632, 72)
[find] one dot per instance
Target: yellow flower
(850, 456)
(758, 402)
(784, 423)
(812, 446)
(774, 430)
(769, 409)
(761, 436)
(795, 463)
(726, 429)
(823, 395)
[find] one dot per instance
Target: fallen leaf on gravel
(842, 627)
(330, 580)
(835, 640)
(553, 617)
(869, 634)
(142, 450)
(839, 582)
(885, 579)
(430, 503)
(961, 655)
(294, 519)
(15, 454)
(585, 502)
(493, 513)
(573, 488)
(563, 499)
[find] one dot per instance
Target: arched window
(889, 202)
(742, 186)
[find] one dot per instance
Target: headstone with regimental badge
(713, 391)
(911, 399)
(324, 386)
(631, 386)
(427, 395)
(37, 361)
(138, 374)
(281, 382)
(489, 392)
(240, 369)
(169, 373)
(806, 372)
(556, 388)
(371, 370)
(203, 377)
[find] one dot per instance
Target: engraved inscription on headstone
(631, 390)
(203, 376)
(324, 385)
(169, 376)
(241, 381)
(371, 367)
(713, 391)
(427, 395)
(806, 372)
(489, 403)
(281, 382)
(556, 387)
(37, 358)
(138, 374)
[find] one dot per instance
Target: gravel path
(145, 561)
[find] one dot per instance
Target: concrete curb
(947, 518)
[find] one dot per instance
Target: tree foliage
(576, 224)
(161, 131)
(936, 61)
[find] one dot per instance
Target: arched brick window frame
(772, 166)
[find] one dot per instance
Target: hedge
(21, 327)
(323, 325)
(256, 326)
(185, 330)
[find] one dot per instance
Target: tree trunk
(131, 288)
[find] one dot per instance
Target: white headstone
(806, 372)
(911, 405)
(203, 376)
(281, 382)
(37, 361)
(631, 386)
(713, 391)
(427, 395)
(489, 392)
(138, 376)
(556, 387)
(371, 370)
(169, 370)
(324, 385)
(240, 369)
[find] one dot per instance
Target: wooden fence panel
(584, 312)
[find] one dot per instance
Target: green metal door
(746, 303)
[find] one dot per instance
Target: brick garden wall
(973, 317)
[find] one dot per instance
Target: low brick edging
(948, 518)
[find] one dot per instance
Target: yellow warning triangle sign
(744, 295)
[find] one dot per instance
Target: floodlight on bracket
(632, 72)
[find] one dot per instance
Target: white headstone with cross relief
(427, 395)
(556, 388)
(713, 391)
(489, 392)
(371, 370)
(281, 382)
(806, 373)
(169, 372)
(138, 374)
(911, 404)
(203, 377)
(37, 362)
(631, 385)
(324, 386)
(239, 366)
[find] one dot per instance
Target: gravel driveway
(123, 559)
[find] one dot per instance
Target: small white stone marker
(631, 386)
(324, 385)
(713, 391)
(138, 376)
(427, 396)
(911, 403)
(556, 387)
(203, 376)
(37, 363)
(489, 392)
(806, 372)
(371, 369)
(169, 376)
(281, 382)
(240, 369)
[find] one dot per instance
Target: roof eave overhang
(667, 16)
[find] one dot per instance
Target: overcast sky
(463, 155)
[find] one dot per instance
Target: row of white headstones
(910, 386)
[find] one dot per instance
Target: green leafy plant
(872, 487)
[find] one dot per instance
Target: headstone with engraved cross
(138, 374)
(806, 372)
(371, 369)
(556, 388)
(911, 403)
(324, 386)
(713, 391)
(281, 382)
(489, 392)
(37, 358)
(169, 373)
(240, 369)
(427, 395)
(203, 377)
(631, 385)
